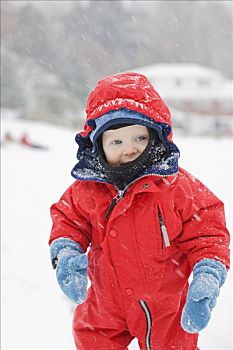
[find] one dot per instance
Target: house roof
(175, 70)
(195, 94)
(220, 88)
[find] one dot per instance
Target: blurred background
(52, 55)
(54, 52)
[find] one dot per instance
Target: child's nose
(130, 150)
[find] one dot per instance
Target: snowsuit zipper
(120, 195)
(163, 230)
(122, 192)
(149, 323)
(113, 203)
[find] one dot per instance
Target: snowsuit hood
(130, 98)
(132, 91)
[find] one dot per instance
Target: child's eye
(116, 142)
(141, 138)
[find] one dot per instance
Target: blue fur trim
(120, 116)
(211, 266)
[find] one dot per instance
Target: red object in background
(24, 140)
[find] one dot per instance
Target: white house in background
(193, 91)
(191, 87)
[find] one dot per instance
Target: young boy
(147, 223)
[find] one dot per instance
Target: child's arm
(204, 233)
(70, 237)
(205, 241)
(69, 219)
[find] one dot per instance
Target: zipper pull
(163, 230)
(111, 207)
(114, 202)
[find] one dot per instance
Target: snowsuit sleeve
(69, 220)
(204, 233)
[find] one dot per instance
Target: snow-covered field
(35, 315)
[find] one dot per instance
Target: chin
(122, 163)
(129, 161)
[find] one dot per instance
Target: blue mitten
(71, 268)
(208, 276)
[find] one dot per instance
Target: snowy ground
(34, 313)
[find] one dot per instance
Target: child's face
(125, 144)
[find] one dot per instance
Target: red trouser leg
(94, 329)
(157, 327)
(103, 326)
(97, 339)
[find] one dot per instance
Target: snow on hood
(132, 91)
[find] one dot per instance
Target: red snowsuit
(139, 280)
